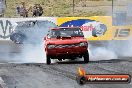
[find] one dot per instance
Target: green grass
(56, 8)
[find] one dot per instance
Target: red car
(66, 43)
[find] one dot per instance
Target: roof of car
(62, 27)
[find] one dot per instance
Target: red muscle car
(66, 43)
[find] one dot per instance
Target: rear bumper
(66, 52)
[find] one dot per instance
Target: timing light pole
(112, 7)
(73, 7)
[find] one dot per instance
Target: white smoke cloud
(32, 54)
(102, 53)
(122, 48)
(32, 50)
(111, 50)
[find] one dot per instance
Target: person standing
(23, 10)
(34, 10)
(40, 10)
(17, 9)
(37, 10)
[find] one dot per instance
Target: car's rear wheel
(86, 57)
(18, 38)
(48, 60)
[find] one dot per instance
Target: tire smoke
(108, 50)
(32, 50)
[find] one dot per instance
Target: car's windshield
(66, 32)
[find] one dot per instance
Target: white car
(31, 31)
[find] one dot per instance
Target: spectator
(17, 9)
(40, 10)
(23, 10)
(37, 10)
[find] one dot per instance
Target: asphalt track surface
(58, 74)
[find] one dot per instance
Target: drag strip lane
(65, 71)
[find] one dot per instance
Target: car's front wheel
(48, 60)
(86, 57)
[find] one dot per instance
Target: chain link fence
(122, 12)
(79, 8)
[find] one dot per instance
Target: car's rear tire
(18, 38)
(86, 57)
(48, 60)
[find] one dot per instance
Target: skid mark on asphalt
(70, 71)
(56, 71)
